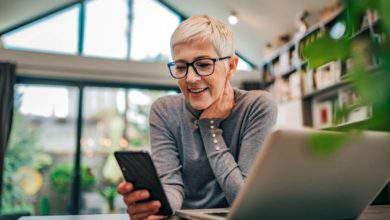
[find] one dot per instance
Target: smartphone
(138, 168)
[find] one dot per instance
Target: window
(114, 119)
(106, 33)
(243, 65)
(38, 166)
(153, 26)
(57, 33)
(106, 27)
(39, 162)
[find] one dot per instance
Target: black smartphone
(138, 168)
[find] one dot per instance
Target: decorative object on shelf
(338, 30)
(268, 50)
(282, 40)
(370, 18)
(328, 12)
(301, 23)
(348, 98)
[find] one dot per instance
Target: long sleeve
(166, 156)
(229, 173)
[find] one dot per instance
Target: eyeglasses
(202, 67)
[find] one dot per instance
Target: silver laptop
(300, 174)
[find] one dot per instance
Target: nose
(192, 77)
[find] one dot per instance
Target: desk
(371, 213)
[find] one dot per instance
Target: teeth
(197, 90)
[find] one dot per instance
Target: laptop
(309, 174)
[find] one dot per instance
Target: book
(348, 98)
(294, 82)
(308, 81)
(328, 74)
(323, 114)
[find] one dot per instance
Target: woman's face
(202, 91)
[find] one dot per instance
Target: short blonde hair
(205, 28)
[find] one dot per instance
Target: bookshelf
(320, 91)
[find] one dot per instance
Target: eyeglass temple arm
(223, 58)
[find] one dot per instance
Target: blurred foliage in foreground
(371, 83)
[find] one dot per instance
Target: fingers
(155, 217)
(140, 216)
(143, 210)
(146, 207)
(132, 198)
(125, 188)
(135, 196)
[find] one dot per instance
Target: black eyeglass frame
(169, 65)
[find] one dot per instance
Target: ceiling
(259, 20)
(14, 12)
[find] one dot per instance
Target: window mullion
(80, 47)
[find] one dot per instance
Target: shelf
(323, 23)
(347, 126)
(326, 89)
(300, 65)
(287, 72)
(293, 42)
(314, 28)
(367, 124)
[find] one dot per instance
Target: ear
(233, 61)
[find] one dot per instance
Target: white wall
(290, 114)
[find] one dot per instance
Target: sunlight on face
(201, 91)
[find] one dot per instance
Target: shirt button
(211, 122)
(213, 135)
(215, 141)
(212, 126)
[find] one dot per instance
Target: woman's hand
(135, 207)
(222, 107)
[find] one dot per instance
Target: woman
(204, 140)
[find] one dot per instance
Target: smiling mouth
(197, 91)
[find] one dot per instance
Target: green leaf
(326, 144)
(326, 49)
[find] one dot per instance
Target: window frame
(81, 24)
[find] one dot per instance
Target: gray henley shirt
(203, 163)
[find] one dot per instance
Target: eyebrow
(196, 58)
